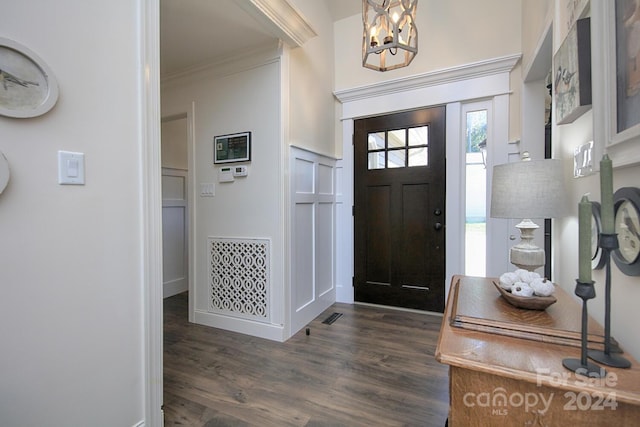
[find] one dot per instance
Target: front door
(399, 209)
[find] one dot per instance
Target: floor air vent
(329, 320)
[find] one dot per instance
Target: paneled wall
(313, 201)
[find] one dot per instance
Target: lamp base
(526, 254)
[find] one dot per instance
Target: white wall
(536, 17)
(450, 33)
(71, 308)
(247, 99)
(174, 143)
(311, 84)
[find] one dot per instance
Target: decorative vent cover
(239, 277)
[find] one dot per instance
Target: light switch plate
(70, 168)
(583, 160)
(207, 189)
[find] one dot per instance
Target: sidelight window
(398, 148)
(476, 193)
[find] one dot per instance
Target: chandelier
(390, 36)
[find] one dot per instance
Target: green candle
(606, 195)
(584, 240)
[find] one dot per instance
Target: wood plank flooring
(372, 367)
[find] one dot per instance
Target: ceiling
(198, 32)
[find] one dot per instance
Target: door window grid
(398, 148)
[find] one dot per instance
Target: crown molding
(434, 78)
(244, 60)
(284, 21)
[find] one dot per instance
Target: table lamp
(523, 190)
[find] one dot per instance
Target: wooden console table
(506, 364)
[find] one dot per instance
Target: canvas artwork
(628, 63)
(572, 74)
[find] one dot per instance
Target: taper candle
(584, 240)
(606, 195)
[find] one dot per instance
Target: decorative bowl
(529, 303)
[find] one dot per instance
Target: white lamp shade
(529, 189)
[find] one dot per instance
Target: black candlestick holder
(608, 243)
(582, 366)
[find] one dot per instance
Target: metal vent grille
(239, 277)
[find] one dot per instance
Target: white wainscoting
(313, 237)
(175, 232)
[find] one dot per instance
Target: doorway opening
(175, 205)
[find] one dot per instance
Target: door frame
(150, 186)
(188, 112)
(451, 87)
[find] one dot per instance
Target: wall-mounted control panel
(225, 174)
(240, 170)
(229, 173)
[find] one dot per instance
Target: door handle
(437, 226)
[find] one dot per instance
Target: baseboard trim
(174, 287)
(243, 326)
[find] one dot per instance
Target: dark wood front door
(399, 209)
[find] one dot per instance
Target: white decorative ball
(527, 276)
(542, 287)
(507, 280)
(522, 289)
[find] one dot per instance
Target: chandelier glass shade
(390, 35)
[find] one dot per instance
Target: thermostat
(240, 170)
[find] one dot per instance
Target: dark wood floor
(372, 367)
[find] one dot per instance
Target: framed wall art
(627, 37)
(569, 11)
(572, 73)
(27, 85)
(232, 148)
(617, 50)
